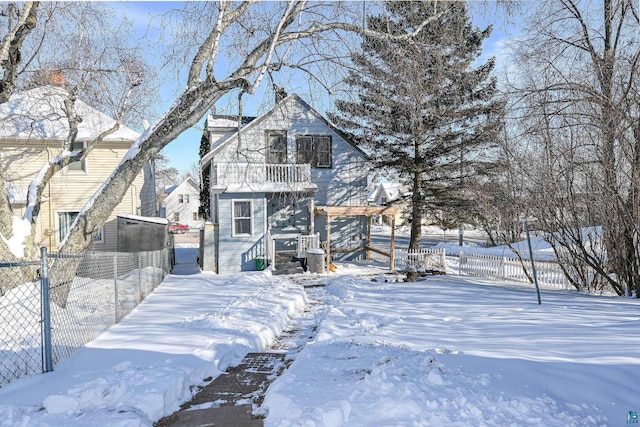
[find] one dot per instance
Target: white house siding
(238, 253)
(185, 209)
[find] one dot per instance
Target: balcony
(261, 178)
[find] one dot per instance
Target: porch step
(287, 268)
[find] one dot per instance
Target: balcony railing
(261, 176)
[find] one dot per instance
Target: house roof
(227, 121)
(393, 190)
(37, 114)
(218, 145)
(189, 181)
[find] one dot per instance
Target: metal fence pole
(115, 286)
(47, 358)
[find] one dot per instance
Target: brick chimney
(280, 93)
(56, 78)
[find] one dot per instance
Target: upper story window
(276, 146)
(80, 165)
(183, 198)
(315, 150)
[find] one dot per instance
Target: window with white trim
(276, 146)
(65, 220)
(80, 165)
(242, 220)
(315, 150)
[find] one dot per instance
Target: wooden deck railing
(260, 173)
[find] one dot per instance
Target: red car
(176, 228)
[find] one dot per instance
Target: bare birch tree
(92, 60)
(232, 48)
(580, 106)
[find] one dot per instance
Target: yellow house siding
(68, 191)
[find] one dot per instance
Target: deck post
(312, 226)
(368, 237)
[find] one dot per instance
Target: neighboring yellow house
(32, 129)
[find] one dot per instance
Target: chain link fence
(87, 294)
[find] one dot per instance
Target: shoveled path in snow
(233, 399)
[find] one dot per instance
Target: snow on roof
(393, 190)
(144, 218)
(38, 114)
(187, 181)
(17, 193)
(226, 121)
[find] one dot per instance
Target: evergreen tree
(205, 202)
(425, 110)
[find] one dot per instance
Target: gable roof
(218, 145)
(38, 114)
(188, 181)
(393, 190)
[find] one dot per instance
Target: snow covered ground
(454, 351)
(449, 350)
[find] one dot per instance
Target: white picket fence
(503, 268)
(427, 258)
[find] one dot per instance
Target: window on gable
(242, 217)
(315, 150)
(276, 146)
(183, 198)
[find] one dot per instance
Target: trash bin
(260, 263)
(315, 260)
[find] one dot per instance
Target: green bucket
(260, 263)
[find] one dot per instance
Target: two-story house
(266, 179)
(390, 194)
(33, 126)
(182, 203)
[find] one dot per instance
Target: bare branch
(10, 49)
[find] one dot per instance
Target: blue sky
(183, 152)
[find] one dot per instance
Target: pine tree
(424, 109)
